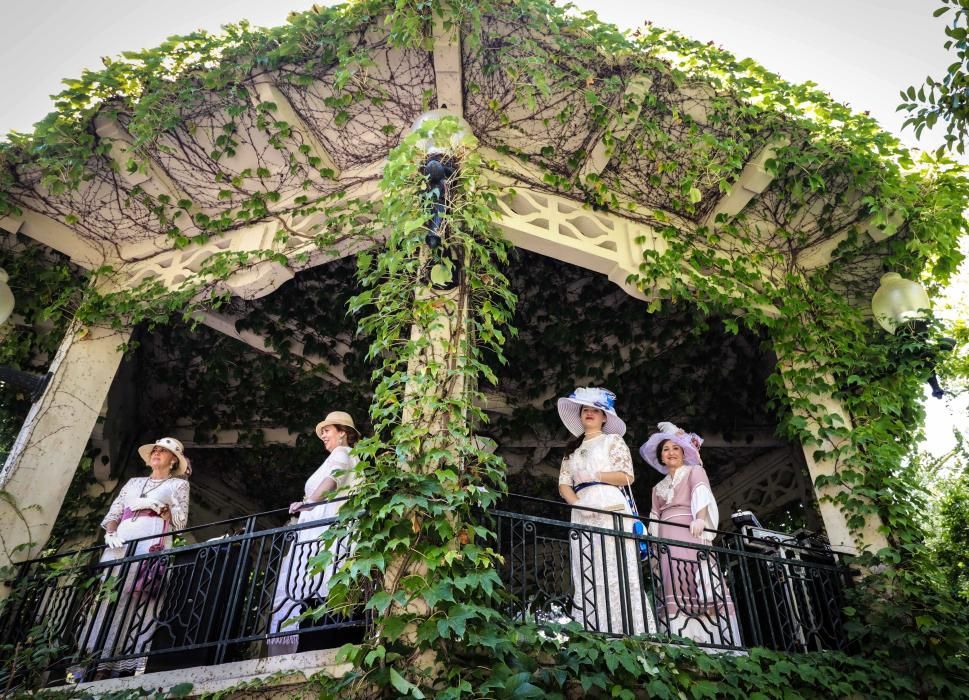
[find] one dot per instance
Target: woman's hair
(573, 444)
(352, 435)
(659, 450)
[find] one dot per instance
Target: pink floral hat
(688, 442)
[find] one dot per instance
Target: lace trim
(666, 487)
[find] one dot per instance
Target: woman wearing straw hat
(146, 507)
(696, 600)
(296, 585)
(608, 595)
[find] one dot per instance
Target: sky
(863, 52)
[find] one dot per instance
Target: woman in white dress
(608, 595)
(296, 584)
(146, 507)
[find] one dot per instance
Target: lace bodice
(606, 453)
(172, 492)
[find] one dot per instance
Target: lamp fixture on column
(32, 383)
(439, 166)
(902, 307)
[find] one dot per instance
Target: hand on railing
(296, 506)
(113, 540)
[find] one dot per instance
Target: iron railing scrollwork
(735, 594)
(215, 601)
(224, 599)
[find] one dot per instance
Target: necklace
(145, 490)
(589, 436)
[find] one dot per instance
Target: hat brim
(570, 412)
(182, 470)
(691, 456)
(322, 424)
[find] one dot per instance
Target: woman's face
(333, 437)
(672, 454)
(161, 458)
(592, 418)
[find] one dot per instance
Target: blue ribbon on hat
(600, 398)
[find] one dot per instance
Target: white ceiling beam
(448, 75)
(263, 90)
(754, 179)
(620, 127)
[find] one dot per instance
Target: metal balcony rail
(201, 604)
(224, 599)
(739, 593)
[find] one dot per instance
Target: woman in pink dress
(696, 600)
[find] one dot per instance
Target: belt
(129, 514)
(586, 484)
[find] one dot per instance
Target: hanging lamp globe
(899, 301)
(446, 143)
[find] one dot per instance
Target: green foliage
(945, 99)
(949, 534)
(46, 289)
(838, 182)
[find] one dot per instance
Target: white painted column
(44, 458)
(840, 535)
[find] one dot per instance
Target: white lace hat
(184, 467)
(570, 407)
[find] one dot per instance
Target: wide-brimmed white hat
(340, 418)
(184, 467)
(691, 455)
(570, 407)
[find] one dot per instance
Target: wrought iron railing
(208, 603)
(225, 599)
(738, 593)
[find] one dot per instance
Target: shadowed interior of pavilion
(247, 416)
(574, 327)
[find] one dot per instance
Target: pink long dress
(696, 600)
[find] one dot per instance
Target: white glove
(113, 540)
(145, 504)
(667, 427)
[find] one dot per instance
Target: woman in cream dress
(297, 584)
(608, 595)
(146, 507)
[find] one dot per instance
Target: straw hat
(570, 408)
(691, 455)
(340, 418)
(184, 467)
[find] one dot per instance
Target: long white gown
(296, 584)
(607, 596)
(133, 620)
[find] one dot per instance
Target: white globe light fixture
(899, 301)
(462, 137)
(6, 297)
(902, 303)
